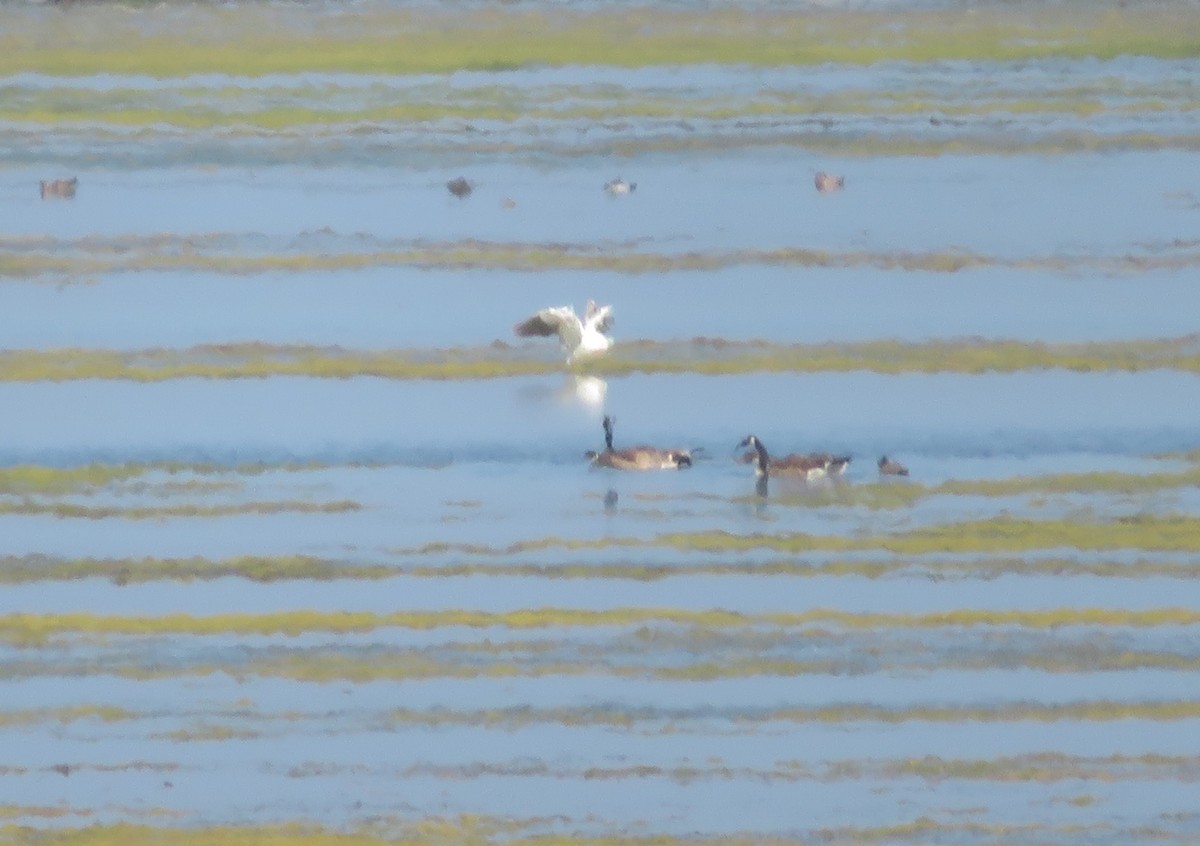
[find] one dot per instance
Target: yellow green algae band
(325, 118)
(1045, 767)
(220, 253)
(1096, 710)
(705, 356)
(647, 721)
(31, 716)
(253, 40)
(122, 571)
(160, 512)
(479, 831)
(995, 535)
(44, 480)
(523, 661)
(26, 480)
(266, 569)
(34, 629)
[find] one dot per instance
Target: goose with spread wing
(586, 337)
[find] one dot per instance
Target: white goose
(587, 337)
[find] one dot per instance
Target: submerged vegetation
(22, 482)
(22, 257)
(484, 831)
(996, 535)
(37, 629)
(707, 356)
(253, 41)
(159, 512)
(634, 644)
(126, 571)
(268, 569)
(35, 479)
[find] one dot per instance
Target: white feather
(578, 337)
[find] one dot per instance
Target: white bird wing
(600, 317)
(560, 321)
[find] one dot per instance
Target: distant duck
(827, 183)
(810, 467)
(64, 188)
(587, 337)
(459, 187)
(638, 457)
(620, 186)
(888, 467)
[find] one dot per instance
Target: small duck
(587, 337)
(638, 457)
(827, 183)
(64, 188)
(460, 187)
(620, 186)
(888, 467)
(810, 467)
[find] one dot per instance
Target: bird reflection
(610, 501)
(587, 390)
(577, 389)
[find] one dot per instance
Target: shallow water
(573, 650)
(386, 308)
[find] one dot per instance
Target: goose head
(761, 459)
(678, 459)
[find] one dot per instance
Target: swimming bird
(827, 183)
(809, 467)
(835, 465)
(620, 186)
(888, 467)
(585, 337)
(58, 187)
(459, 187)
(638, 457)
